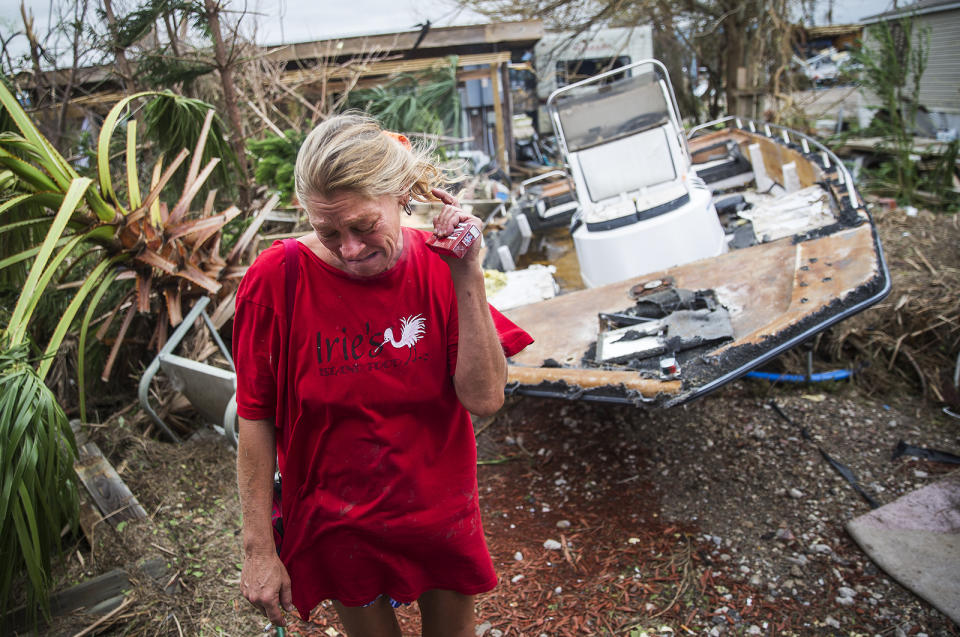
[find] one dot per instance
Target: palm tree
(90, 239)
(424, 102)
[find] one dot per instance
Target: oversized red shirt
(377, 454)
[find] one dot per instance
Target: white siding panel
(940, 85)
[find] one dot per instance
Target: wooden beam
(522, 33)
(389, 67)
(498, 118)
(878, 145)
(101, 594)
(98, 99)
(109, 492)
(508, 113)
(473, 74)
(333, 86)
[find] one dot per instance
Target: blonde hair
(350, 152)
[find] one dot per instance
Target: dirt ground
(721, 517)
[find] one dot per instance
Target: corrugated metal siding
(940, 85)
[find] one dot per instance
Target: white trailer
(563, 58)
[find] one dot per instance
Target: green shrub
(275, 160)
(892, 67)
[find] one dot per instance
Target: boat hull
(777, 293)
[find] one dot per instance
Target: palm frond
(17, 234)
(174, 122)
(103, 149)
(38, 494)
(66, 319)
(102, 289)
(425, 102)
(40, 274)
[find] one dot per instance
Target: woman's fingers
(445, 197)
(286, 594)
(266, 585)
(272, 610)
(445, 222)
(449, 217)
(452, 214)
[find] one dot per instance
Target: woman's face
(360, 234)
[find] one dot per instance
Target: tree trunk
(38, 74)
(79, 18)
(225, 68)
(733, 33)
(676, 52)
(173, 35)
(124, 69)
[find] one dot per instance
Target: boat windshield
(600, 113)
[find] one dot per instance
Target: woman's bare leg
(376, 620)
(446, 614)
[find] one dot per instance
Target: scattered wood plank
(921, 146)
(108, 490)
(99, 595)
(92, 627)
(92, 593)
(89, 518)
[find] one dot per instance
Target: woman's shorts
(393, 603)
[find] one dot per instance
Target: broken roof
(917, 8)
(433, 41)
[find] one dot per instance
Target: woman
(356, 368)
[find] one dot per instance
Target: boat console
(642, 207)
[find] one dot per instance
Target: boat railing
(788, 135)
(547, 175)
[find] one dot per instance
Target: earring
(407, 208)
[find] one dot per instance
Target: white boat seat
(627, 164)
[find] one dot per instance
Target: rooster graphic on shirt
(411, 331)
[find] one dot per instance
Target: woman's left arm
(481, 371)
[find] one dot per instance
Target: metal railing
(805, 142)
(552, 109)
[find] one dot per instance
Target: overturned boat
(700, 254)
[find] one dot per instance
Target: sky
(290, 21)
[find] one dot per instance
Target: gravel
(766, 509)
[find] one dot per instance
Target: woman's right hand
(265, 583)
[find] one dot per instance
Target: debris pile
(914, 335)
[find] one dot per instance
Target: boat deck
(771, 291)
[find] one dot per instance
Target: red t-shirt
(378, 456)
